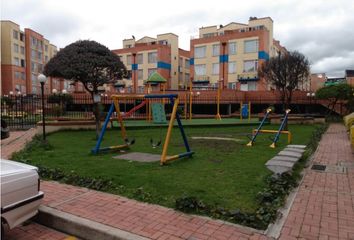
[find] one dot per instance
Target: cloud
(322, 30)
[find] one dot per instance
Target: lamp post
(42, 79)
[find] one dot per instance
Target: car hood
(11, 167)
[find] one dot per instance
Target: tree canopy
(286, 72)
(88, 62)
(335, 93)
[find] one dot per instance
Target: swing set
(159, 116)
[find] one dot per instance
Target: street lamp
(42, 79)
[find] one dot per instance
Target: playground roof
(156, 78)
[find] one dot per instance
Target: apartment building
(148, 55)
(23, 56)
(228, 56)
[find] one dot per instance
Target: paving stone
(279, 166)
(296, 146)
(285, 158)
(289, 154)
(298, 150)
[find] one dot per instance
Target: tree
(286, 72)
(336, 93)
(90, 63)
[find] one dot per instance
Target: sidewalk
(323, 207)
(16, 142)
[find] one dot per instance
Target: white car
(20, 193)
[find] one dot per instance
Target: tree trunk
(96, 112)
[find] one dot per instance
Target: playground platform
(186, 123)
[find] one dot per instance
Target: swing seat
(155, 145)
(129, 142)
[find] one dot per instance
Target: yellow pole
(185, 106)
(218, 117)
(241, 104)
(168, 135)
(190, 100)
(120, 119)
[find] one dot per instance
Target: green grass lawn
(225, 173)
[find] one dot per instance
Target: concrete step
(296, 146)
(279, 166)
(82, 227)
(285, 158)
(298, 150)
(290, 154)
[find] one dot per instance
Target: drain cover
(318, 167)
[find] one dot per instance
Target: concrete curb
(81, 227)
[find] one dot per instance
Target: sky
(323, 30)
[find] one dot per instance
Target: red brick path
(148, 220)
(16, 142)
(324, 205)
(35, 231)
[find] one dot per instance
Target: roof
(156, 78)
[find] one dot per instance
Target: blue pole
(98, 143)
(181, 127)
(276, 138)
(259, 127)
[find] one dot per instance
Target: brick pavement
(16, 142)
(35, 231)
(324, 205)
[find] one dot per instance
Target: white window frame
(216, 50)
(251, 49)
(129, 59)
(232, 70)
(232, 50)
(201, 68)
(215, 68)
(253, 68)
(152, 57)
(200, 52)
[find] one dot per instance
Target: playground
(222, 170)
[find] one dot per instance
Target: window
(33, 67)
(34, 78)
(180, 62)
(23, 76)
(232, 85)
(232, 48)
(249, 86)
(16, 61)
(15, 48)
(40, 67)
(17, 75)
(129, 59)
(18, 88)
(33, 42)
(139, 58)
(216, 69)
(39, 56)
(216, 49)
(22, 50)
(232, 67)
(200, 69)
(34, 89)
(200, 52)
(33, 54)
(186, 77)
(250, 66)
(46, 58)
(151, 71)
(180, 77)
(152, 57)
(23, 63)
(129, 75)
(251, 46)
(46, 48)
(15, 34)
(140, 74)
(23, 89)
(22, 37)
(186, 63)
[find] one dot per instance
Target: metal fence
(24, 111)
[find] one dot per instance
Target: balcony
(201, 79)
(249, 76)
